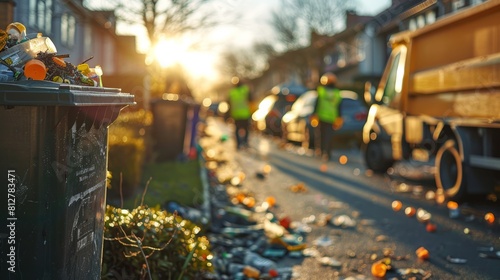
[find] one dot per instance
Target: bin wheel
(449, 171)
(376, 157)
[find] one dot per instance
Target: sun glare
(177, 52)
(169, 53)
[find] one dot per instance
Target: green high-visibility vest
(328, 104)
(238, 102)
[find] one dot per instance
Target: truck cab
(438, 102)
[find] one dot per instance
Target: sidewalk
(339, 227)
(248, 240)
(265, 219)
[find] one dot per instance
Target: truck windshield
(390, 86)
(393, 84)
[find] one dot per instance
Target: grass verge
(177, 181)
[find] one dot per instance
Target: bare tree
(294, 21)
(168, 18)
(246, 63)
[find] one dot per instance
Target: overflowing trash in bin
(34, 57)
(55, 120)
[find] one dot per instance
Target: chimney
(6, 13)
(351, 18)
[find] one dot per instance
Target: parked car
(267, 117)
(298, 126)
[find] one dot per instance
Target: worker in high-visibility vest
(239, 108)
(327, 111)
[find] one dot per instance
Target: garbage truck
(438, 102)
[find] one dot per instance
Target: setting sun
(178, 52)
(169, 53)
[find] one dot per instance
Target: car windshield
(267, 103)
(305, 103)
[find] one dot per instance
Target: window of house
(458, 4)
(87, 35)
(430, 17)
(360, 49)
(32, 13)
(420, 21)
(341, 59)
(476, 2)
(48, 16)
(412, 25)
(327, 59)
(68, 23)
(40, 15)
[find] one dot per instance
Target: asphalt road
(352, 224)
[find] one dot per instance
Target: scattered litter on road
(430, 195)
(407, 272)
(423, 215)
(455, 260)
(343, 221)
(431, 227)
(381, 238)
(422, 253)
(252, 234)
(396, 205)
(300, 187)
(410, 211)
(311, 252)
(379, 269)
(323, 241)
(489, 218)
(329, 261)
(454, 210)
(357, 277)
(490, 255)
(486, 249)
(351, 254)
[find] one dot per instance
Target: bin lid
(47, 93)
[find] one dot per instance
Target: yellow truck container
(439, 101)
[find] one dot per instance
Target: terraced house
(359, 52)
(83, 34)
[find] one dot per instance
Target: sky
(253, 25)
(254, 15)
(372, 7)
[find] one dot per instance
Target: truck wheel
(449, 171)
(377, 157)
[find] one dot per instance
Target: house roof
(391, 17)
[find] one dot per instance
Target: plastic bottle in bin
(18, 54)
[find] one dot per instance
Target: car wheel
(284, 134)
(308, 140)
(450, 171)
(378, 156)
